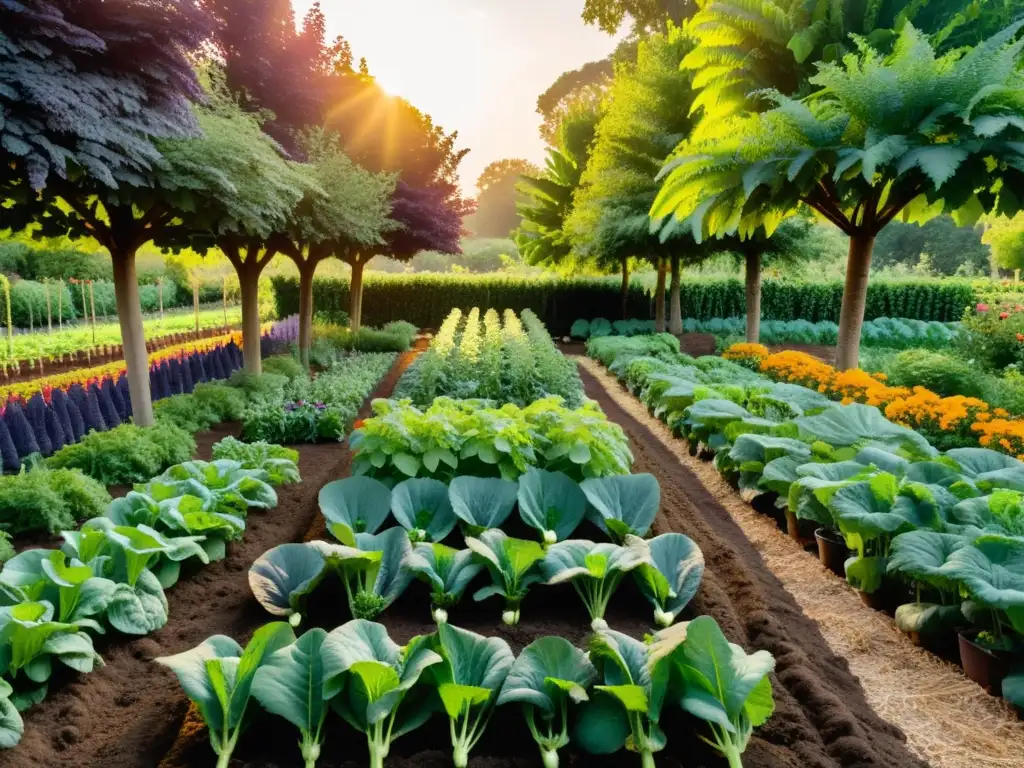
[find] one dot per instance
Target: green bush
(394, 339)
(993, 335)
(295, 423)
(1004, 391)
(284, 365)
(126, 454)
(28, 304)
(943, 374)
(261, 389)
(227, 402)
(403, 329)
(48, 500)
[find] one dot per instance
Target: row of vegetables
(505, 358)
(112, 572)
(940, 532)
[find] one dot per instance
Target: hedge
(426, 300)
(942, 300)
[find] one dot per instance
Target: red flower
(982, 307)
(1020, 337)
(1003, 315)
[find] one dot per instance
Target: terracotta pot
(986, 668)
(801, 531)
(832, 550)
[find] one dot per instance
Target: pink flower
(1003, 315)
(982, 307)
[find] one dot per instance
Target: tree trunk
(659, 299)
(306, 270)
(624, 295)
(851, 317)
(49, 309)
(129, 315)
(675, 322)
(753, 278)
(356, 296)
(249, 286)
(195, 301)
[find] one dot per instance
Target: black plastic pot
(832, 550)
(986, 668)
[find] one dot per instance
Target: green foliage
(295, 423)
(262, 388)
(514, 566)
(48, 500)
(426, 300)
(126, 454)
(281, 365)
(395, 337)
(28, 304)
(942, 374)
(280, 463)
(991, 335)
(1006, 237)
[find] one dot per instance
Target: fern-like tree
(911, 133)
(86, 86)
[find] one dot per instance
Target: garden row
(426, 300)
(940, 534)
(507, 360)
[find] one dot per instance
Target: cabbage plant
(290, 684)
(552, 503)
(482, 502)
(360, 504)
(724, 686)
(217, 675)
(594, 570)
(371, 682)
(447, 571)
(549, 674)
(623, 504)
(233, 488)
(422, 507)
(513, 565)
(468, 682)
(670, 573)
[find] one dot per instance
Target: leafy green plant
(513, 565)
(372, 567)
(725, 686)
(594, 570)
(468, 680)
(281, 578)
(280, 463)
(232, 488)
(548, 675)
(623, 504)
(126, 454)
(669, 576)
(78, 595)
(422, 506)
(42, 499)
(551, 503)
(372, 683)
(359, 504)
(447, 571)
(12, 727)
(260, 389)
(218, 675)
(283, 365)
(482, 502)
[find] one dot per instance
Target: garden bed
(128, 713)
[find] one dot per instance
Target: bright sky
(476, 66)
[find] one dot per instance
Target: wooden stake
(92, 302)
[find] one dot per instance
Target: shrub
(28, 304)
(48, 500)
(261, 389)
(943, 374)
(402, 328)
(228, 403)
(993, 335)
(126, 454)
(299, 422)
(397, 339)
(281, 365)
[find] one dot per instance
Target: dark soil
(127, 714)
(133, 714)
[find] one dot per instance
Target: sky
(475, 66)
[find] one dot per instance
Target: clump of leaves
(513, 565)
(447, 571)
(42, 499)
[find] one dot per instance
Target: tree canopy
(646, 15)
(497, 198)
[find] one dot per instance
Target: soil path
(949, 721)
(127, 714)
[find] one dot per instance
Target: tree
(578, 88)
(86, 87)
(647, 15)
(950, 248)
(497, 197)
(1006, 237)
(910, 133)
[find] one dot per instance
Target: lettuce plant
(594, 570)
(11, 725)
(551, 503)
(372, 683)
(623, 504)
(233, 488)
(373, 569)
(468, 682)
(724, 686)
(482, 502)
(513, 565)
(447, 571)
(549, 674)
(669, 576)
(290, 684)
(280, 463)
(632, 686)
(217, 675)
(361, 504)
(422, 507)
(140, 547)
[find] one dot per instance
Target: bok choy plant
(421, 506)
(360, 504)
(549, 674)
(468, 682)
(281, 578)
(482, 503)
(447, 571)
(372, 567)
(594, 570)
(512, 564)
(623, 504)
(217, 675)
(670, 574)
(552, 503)
(372, 683)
